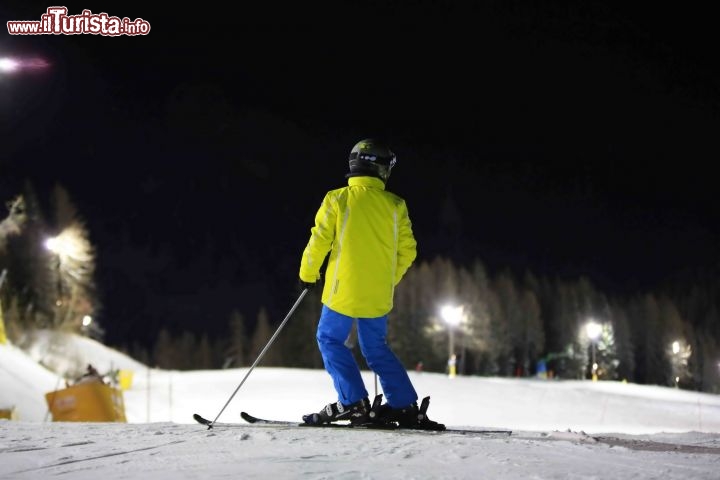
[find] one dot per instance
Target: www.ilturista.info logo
(57, 22)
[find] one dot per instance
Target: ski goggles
(389, 161)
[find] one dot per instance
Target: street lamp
(8, 65)
(453, 317)
(593, 331)
(57, 247)
(676, 362)
(64, 246)
(72, 257)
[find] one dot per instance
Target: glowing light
(11, 65)
(451, 315)
(73, 254)
(8, 64)
(593, 330)
(35, 63)
(676, 347)
(65, 245)
(52, 244)
(87, 320)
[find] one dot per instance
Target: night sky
(568, 141)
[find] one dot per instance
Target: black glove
(307, 285)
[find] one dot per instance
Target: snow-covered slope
(51, 358)
(661, 432)
(69, 354)
(23, 384)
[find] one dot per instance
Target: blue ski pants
(333, 331)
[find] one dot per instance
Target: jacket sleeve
(407, 246)
(322, 236)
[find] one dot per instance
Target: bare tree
(14, 222)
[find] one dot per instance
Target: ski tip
(247, 417)
(201, 420)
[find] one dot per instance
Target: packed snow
(560, 428)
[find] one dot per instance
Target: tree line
(510, 325)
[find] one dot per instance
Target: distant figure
(91, 376)
(452, 366)
(419, 366)
(367, 232)
(541, 370)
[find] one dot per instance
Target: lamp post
(69, 254)
(54, 246)
(593, 331)
(676, 362)
(452, 316)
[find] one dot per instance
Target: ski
(251, 419)
(257, 421)
(284, 423)
(464, 431)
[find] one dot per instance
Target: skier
(367, 232)
(91, 375)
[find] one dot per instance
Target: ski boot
(357, 413)
(413, 417)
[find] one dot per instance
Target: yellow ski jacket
(368, 233)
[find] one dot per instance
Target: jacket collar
(366, 182)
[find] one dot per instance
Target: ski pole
(261, 355)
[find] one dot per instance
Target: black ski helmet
(373, 158)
